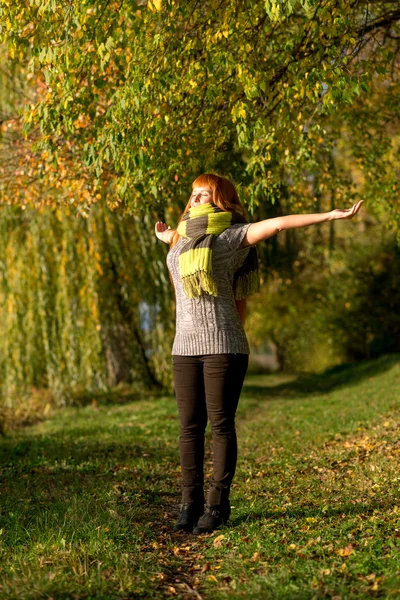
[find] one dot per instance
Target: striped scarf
(202, 224)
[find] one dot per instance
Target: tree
(142, 97)
(121, 105)
(81, 307)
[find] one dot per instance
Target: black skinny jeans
(208, 386)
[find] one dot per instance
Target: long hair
(225, 197)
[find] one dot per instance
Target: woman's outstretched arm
(163, 232)
(260, 231)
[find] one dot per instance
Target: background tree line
(109, 110)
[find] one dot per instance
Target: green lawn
(88, 497)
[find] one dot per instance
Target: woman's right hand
(163, 232)
(345, 213)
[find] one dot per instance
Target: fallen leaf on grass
(345, 551)
(177, 550)
(218, 541)
(206, 567)
(255, 557)
(374, 587)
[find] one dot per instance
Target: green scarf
(202, 224)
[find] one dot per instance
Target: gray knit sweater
(211, 324)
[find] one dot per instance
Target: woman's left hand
(346, 213)
(164, 233)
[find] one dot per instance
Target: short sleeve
(234, 235)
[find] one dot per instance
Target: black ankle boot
(215, 516)
(190, 512)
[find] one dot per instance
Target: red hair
(225, 197)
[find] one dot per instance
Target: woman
(213, 265)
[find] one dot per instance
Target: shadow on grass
(123, 394)
(75, 482)
(349, 508)
(306, 384)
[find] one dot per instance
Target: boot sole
(186, 528)
(201, 531)
(189, 527)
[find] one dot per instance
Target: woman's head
(216, 189)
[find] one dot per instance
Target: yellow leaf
(255, 557)
(375, 586)
(154, 4)
(218, 541)
(345, 551)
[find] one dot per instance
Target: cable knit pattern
(211, 324)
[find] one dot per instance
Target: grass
(88, 497)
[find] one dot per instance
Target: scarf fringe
(198, 283)
(194, 285)
(246, 285)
